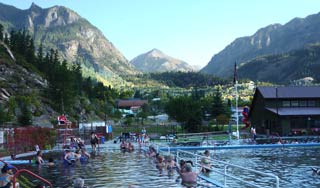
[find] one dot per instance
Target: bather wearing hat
(6, 177)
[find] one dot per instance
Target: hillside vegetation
(288, 67)
(38, 85)
(184, 79)
(266, 51)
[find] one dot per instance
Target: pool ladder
(26, 181)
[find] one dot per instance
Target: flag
(235, 74)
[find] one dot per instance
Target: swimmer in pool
(205, 162)
(39, 159)
(123, 145)
(50, 162)
(189, 178)
(69, 157)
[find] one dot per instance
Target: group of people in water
(69, 156)
(126, 146)
(184, 168)
(73, 153)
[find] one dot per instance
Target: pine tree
(30, 50)
(1, 32)
(25, 118)
(40, 58)
(77, 75)
(6, 39)
(218, 106)
(2, 115)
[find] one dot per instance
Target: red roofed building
(130, 104)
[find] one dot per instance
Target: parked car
(171, 136)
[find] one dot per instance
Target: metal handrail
(228, 165)
(28, 172)
(31, 173)
(8, 164)
(201, 134)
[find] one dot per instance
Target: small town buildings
(286, 110)
(130, 104)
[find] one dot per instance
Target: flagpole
(236, 89)
(235, 81)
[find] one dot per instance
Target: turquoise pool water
(291, 165)
(107, 169)
(113, 168)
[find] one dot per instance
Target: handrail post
(277, 182)
(196, 162)
(178, 158)
(225, 175)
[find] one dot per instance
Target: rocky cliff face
(17, 81)
(157, 61)
(63, 29)
(296, 66)
(273, 39)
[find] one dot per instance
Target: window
(311, 103)
(294, 103)
(285, 103)
(297, 123)
(303, 103)
(294, 123)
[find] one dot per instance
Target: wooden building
(130, 104)
(286, 110)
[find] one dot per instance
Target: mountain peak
(61, 28)
(156, 61)
(155, 53)
(34, 7)
(154, 50)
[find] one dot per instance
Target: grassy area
(162, 130)
(153, 130)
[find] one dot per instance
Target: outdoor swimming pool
(291, 165)
(115, 169)
(107, 169)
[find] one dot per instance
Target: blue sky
(190, 30)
